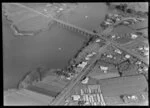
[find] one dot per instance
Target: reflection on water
(52, 48)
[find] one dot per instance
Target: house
(78, 69)
(135, 98)
(103, 72)
(82, 65)
(85, 81)
(75, 97)
(133, 36)
(98, 40)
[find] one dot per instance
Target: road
(75, 81)
(109, 29)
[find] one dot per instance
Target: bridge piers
(75, 29)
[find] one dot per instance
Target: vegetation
(33, 76)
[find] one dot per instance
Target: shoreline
(33, 76)
(30, 72)
(18, 32)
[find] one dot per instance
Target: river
(52, 48)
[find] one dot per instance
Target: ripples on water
(22, 54)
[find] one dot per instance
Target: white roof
(87, 103)
(109, 55)
(146, 53)
(113, 36)
(103, 68)
(127, 56)
(140, 48)
(133, 36)
(93, 53)
(68, 78)
(82, 65)
(132, 97)
(61, 9)
(86, 16)
(89, 55)
(146, 48)
(105, 71)
(138, 62)
(118, 51)
(87, 58)
(125, 22)
(98, 40)
(145, 68)
(75, 97)
(107, 23)
(85, 81)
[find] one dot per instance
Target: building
(103, 71)
(75, 97)
(85, 81)
(82, 65)
(135, 98)
(141, 24)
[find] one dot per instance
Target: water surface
(52, 48)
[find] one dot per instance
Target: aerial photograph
(75, 53)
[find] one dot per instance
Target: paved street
(75, 81)
(108, 30)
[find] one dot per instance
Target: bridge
(90, 33)
(74, 28)
(108, 30)
(85, 32)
